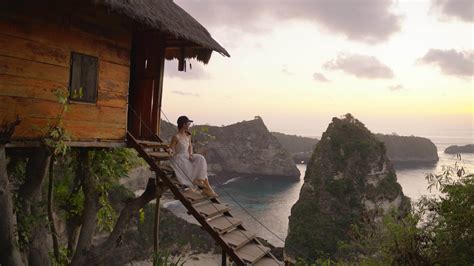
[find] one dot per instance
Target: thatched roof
(168, 17)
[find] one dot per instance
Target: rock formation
(409, 150)
(469, 148)
(348, 181)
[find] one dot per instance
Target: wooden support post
(224, 258)
(156, 229)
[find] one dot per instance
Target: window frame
(96, 88)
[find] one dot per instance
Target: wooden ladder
(240, 245)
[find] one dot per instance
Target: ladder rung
(267, 261)
(160, 156)
(252, 252)
(238, 238)
(166, 168)
(195, 196)
(224, 223)
(156, 144)
(212, 209)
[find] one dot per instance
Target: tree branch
(99, 253)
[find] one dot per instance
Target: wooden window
(83, 83)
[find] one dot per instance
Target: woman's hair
(180, 125)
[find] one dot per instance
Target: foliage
(25, 225)
(318, 262)
(54, 136)
(63, 257)
(164, 258)
(440, 230)
(108, 166)
(68, 196)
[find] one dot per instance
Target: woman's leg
(208, 189)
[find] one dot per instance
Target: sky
(397, 66)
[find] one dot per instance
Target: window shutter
(83, 83)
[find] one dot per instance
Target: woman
(190, 169)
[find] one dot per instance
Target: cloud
(286, 71)
(451, 62)
(369, 21)
(183, 93)
(195, 72)
(361, 66)
(319, 77)
(459, 9)
(397, 87)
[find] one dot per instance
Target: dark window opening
(83, 83)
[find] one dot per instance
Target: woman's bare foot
(198, 183)
(210, 193)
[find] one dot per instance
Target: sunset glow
(298, 70)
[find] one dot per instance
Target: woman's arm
(190, 149)
(172, 146)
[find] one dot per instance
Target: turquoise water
(270, 200)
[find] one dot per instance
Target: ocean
(270, 200)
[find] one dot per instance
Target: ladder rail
(164, 178)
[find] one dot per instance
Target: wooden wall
(35, 60)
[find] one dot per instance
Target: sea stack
(349, 181)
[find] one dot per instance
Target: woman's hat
(183, 120)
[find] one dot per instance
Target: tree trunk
(31, 204)
(91, 207)
(156, 229)
(52, 225)
(8, 242)
(73, 223)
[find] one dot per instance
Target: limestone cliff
(469, 148)
(299, 147)
(409, 150)
(244, 148)
(348, 181)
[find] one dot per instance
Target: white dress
(186, 170)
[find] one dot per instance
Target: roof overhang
(184, 34)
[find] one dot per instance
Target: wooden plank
(34, 51)
(110, 84)
(87, 130)
(252, 252)
(224, 223)
(194, 196)
(103, 25)
(238, 238)
(28, 107)
(114, 71)
(34, 29)
(112, 99)
(267, 261)
(160, 156)
(32, 128)
(30, 69)
(29, 87)
(212, 209)
(153, 144)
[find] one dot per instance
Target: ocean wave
(172, 203)
(231, 180)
